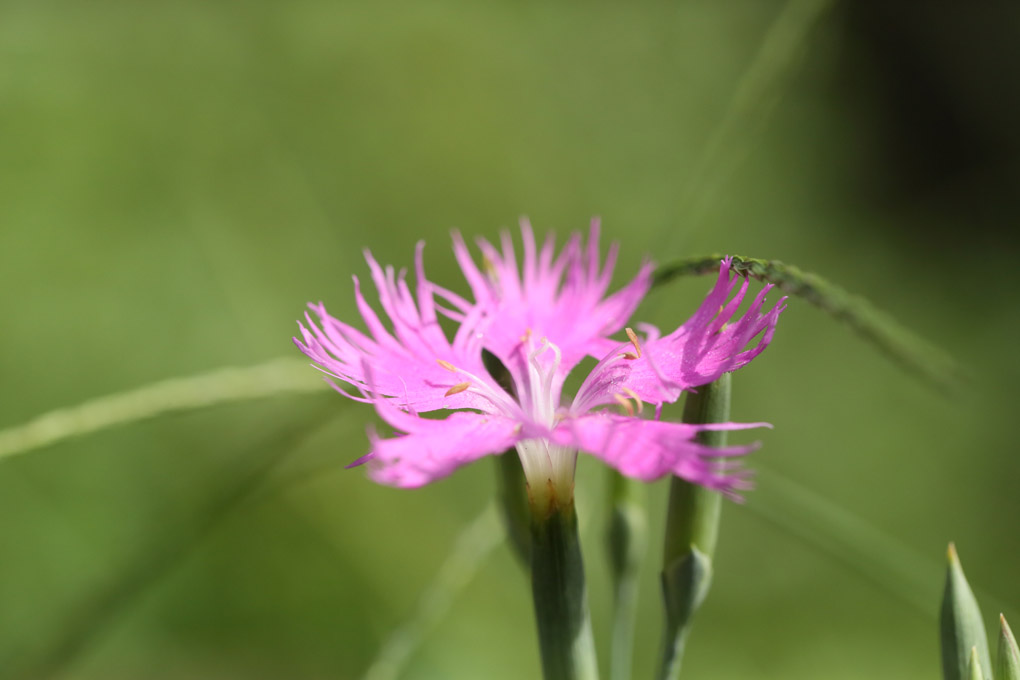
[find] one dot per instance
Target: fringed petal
(651, 449)
(710, 343)
(561, 299)
(432, 449)
(415, 364)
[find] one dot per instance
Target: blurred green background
(178, 179)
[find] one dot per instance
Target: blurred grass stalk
(747, 112)
(474, 544)
(87, 621)
(222, 386)
(626, 543)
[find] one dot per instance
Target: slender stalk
(626, 540)
(474, 544)
(222, 386)
(921, 358)
(692, 528)
(741, 124)
(561, 603)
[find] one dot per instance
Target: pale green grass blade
(747, 113)
(837, 532)
(222, 386)
(474, 544)
(904, 574)
(90, 620)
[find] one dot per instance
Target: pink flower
(540, 320)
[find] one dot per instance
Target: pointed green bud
(962, 630)
(974, 666)
(1008, 667)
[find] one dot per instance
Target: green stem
(626, 540)
(692, 528)
(561, 605)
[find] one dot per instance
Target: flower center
(548, 468)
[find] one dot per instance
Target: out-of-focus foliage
(178, 179)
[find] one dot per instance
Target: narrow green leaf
(753, 101)
(88, 620)
(962, 629)
(1008, 667)
(474, 544)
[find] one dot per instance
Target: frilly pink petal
(707, 345)
(432, 449)
(650, 449)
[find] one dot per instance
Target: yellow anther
(457, 389)
(633, 395)
(447, 365)
(526, 336)
(634, 341)
(625, 403)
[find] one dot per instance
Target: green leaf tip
(962, 631)
(974, 666)
(1008, 667)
